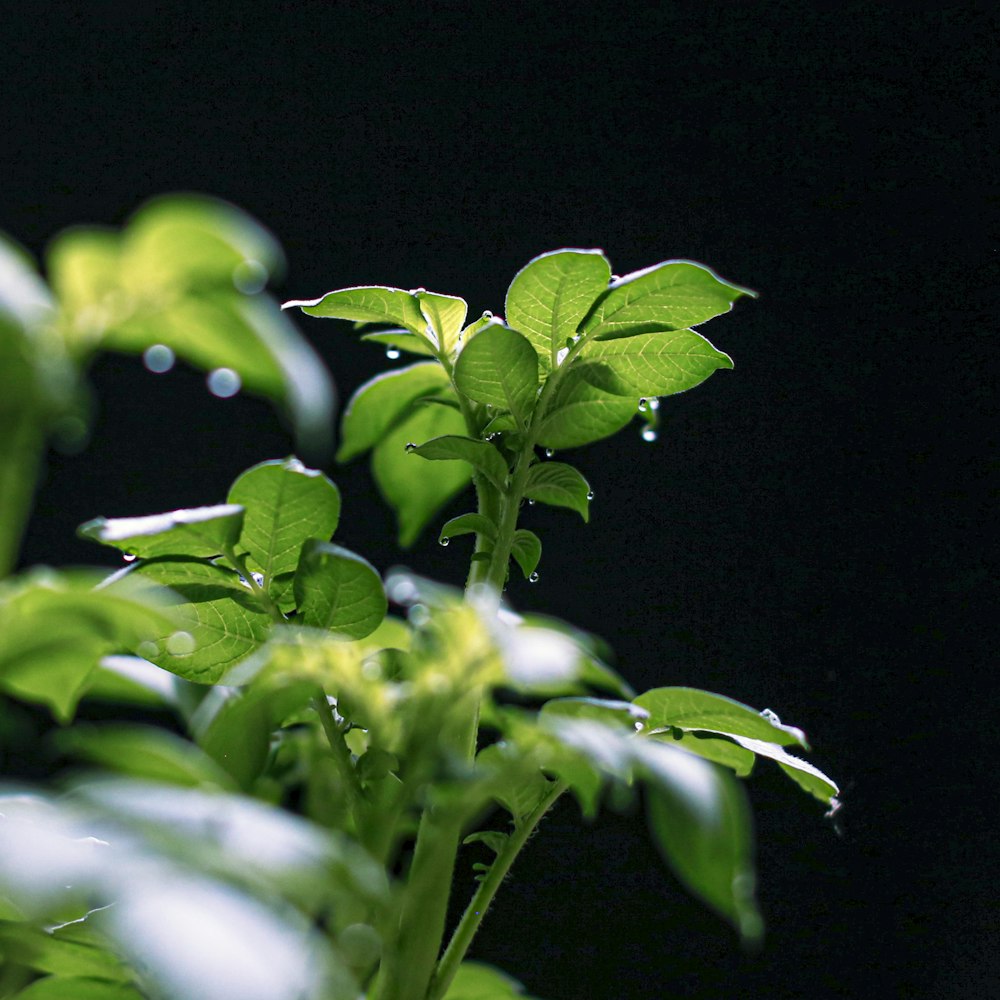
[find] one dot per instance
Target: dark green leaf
(285, 504)
(493, 839)
(669, 296)
(689, 708)
(338, 590)
(72, 950)
(369, 304)
(526, 550)
(72, 988)
(218, 623)
(468, 524)
(382, 402)
(198, 532)
(416, 491)
(699, 817)
(660, 364)
(560, 485)
(445, 315)
(479, 454)
(551, 295)
(583, 410)
(499, 367)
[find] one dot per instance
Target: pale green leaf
(368, 304)
(690, 709)
(480, 455)
(550, 296)
(583, 409)
(285, 504)
(526, 551)
(618, 713)
(701, 823)
(717, 749)
(415, 490)
(660, 364)
(475, 981)
(197, 532)
(560, 485)
(499, 367)
(669, 296)
(808, 777)
(445, 314)
(382, 402)
(338, 590)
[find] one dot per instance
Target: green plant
(302, 838)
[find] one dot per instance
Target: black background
(812, 532)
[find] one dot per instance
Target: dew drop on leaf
(654, 403)
(250, 277)
(533, 578)
(487, 314)
(410, 446)
(158, 358)
(224, 383)
(648, 434)
(590, 494)
(445, 541)
(392, 352)
(642, 405)
(180, 644)
(419, 615)
(549, 452)
(129, 557)
(417, 291)
(531, 503)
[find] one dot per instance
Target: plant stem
(476, 910)
(20, 457)
(341, 757)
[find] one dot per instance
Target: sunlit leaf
(368, 304)
(479, 454)
(499, 367)
(197, 532)
(583, 410)
(445, 314)
(475, 981)
(338, 590)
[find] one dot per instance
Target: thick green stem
(20, 458)
(476, 910)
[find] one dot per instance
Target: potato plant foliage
(346, 732)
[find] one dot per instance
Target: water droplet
(642, 405)
(616, 277)
(402, 590)
(493, 436)
(531, 503)
(771, 717)
(180, 644)
(648, 434)
(533, 578)
(258, 578)
(410, 446)
(549, 452)
(224, 383)
(654, 403)
(419, 615)
(590, 494)
(158, 358)
(418, 291)
(129, 557)
(392, 352)
(147, 650)
(487, 314)
(250, 277)
(445, 541)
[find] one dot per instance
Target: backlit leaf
(368, 304)
(445, 314)
(583, 410)
(479, 454)
(338, 590)
(560, 485)
(499, 367)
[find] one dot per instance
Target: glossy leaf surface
(197, 532)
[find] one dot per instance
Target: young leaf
(560, 485)
(811, 779)
(583, 409)
(660, 364)
(416, 492)
(197, 532)
(285, 504)
(368, 304)
(668, 296)
(338, 590)
(479, 454)
(218, 622)
(551, 295)
(526, 550)
(381, 402)
(445, 314)
(401, 340)
(701, 822)
(475, 981)
(689, 708)
(500, 367)
(617, 713)
(469, 524)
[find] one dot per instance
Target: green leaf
(700, 820)
(719, 750)
(198, 532)
(54, 629)
(526, 551)
(583, 409)
(550, 296)
(72, 950)
(669, 296)
(338, 590)
(480, 455)
(145, 752)
(493, 839)
(402, 340)
(808, 777)
(475, 981)
(382, 402)
(73, 988)
(619, 713)
(688, 708)
(218, 620)
(515, 782)
(499, 367)
(560, 485)
(468, 524)
(285, 504)
(660, 364)
(367, 304)
(445, 314)
(415, 491)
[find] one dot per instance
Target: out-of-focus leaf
(475, 981)
(72, 988)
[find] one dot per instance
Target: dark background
(812, 532)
